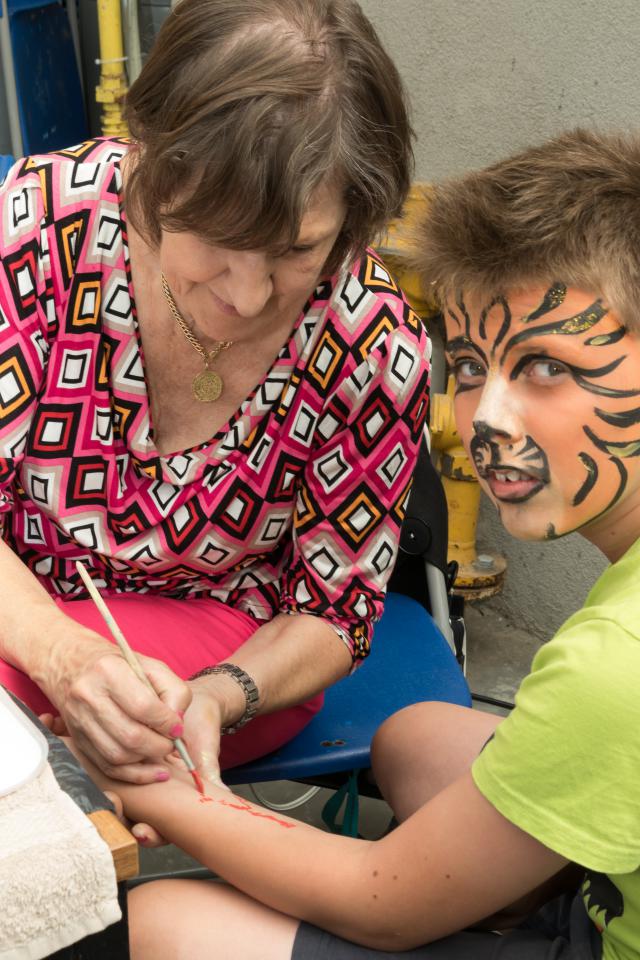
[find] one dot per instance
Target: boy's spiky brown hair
(568, 211)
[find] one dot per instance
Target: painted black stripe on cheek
(592, 475)
(626, 418)
(615, 448)
(621, 487)
(605, 391)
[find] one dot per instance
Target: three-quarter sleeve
(26, 312)
(353, 492)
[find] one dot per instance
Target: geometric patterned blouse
(295, 505)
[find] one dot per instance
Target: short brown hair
(244, 108)
(568, 211)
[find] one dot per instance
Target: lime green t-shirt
(565, 765)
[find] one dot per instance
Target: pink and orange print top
(295, 505)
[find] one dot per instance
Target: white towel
(57, 878)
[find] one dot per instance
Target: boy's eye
(467, 370)
(546, 369)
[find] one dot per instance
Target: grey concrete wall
(488, 76)
(485, 78)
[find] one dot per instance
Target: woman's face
(548, 407)
(234, 294)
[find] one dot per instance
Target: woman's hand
(217, 702)
(122, 726)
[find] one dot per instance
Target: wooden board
(123, 845)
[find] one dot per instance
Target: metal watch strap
(251, 692)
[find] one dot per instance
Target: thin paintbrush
(133, 662)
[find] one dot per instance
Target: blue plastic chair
(410, 661)
(6, 162)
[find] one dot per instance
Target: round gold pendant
(207, 386)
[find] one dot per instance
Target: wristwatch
(251, 692)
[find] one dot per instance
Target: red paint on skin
(234, 806)
(197, 779)
(246, 809)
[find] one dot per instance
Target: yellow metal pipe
(113, 81)
(478, 576)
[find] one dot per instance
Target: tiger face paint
(548, 407)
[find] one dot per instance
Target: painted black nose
(487, 433)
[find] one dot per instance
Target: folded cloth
(57, 878)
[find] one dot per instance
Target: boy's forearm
(290, 866)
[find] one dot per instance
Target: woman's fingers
(116, 718)
(174, 693)
(157, 724)
(119, 722)
(111, 741)
(59, 727)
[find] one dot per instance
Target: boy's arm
(454, 862)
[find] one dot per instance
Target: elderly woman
(211, 392)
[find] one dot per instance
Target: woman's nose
(496, 416)
(249, 281)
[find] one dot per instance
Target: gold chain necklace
(207, 386)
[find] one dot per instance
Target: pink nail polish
(142, 838)
(176, 731)
(162, 776)
(181, 714)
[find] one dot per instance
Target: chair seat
(410, 661)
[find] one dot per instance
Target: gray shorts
(560, 931)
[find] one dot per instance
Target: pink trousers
(186, 635)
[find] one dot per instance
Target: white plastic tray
(23, 749)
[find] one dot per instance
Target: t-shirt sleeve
(564, 765)
(26, 299)
(354, 489)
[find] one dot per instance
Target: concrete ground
(499, 655)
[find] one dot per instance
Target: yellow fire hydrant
(481, 575)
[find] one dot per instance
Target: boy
(537, 262)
